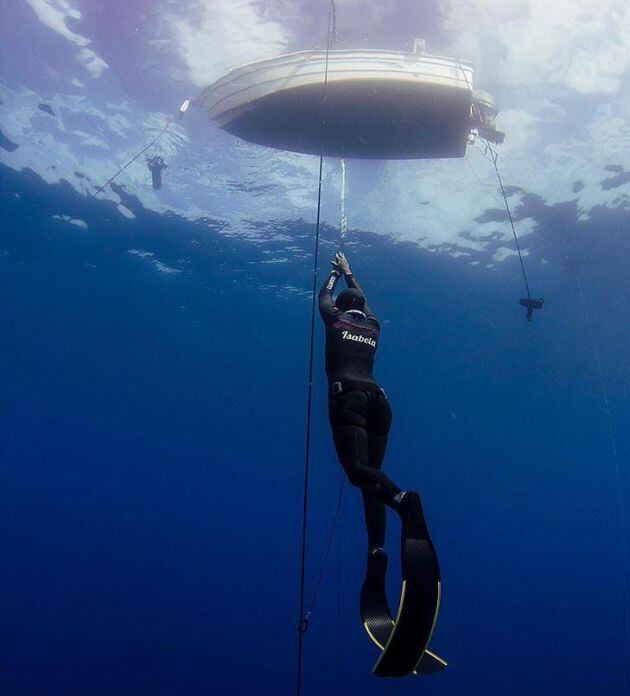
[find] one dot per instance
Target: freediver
(530, 304)
(156, 165)
(359, 411)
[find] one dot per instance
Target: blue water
(152, 445)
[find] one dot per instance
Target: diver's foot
(413, 531)
(412, 516)
(375, 613)
(402, 502)
(374, 584)
(376, 556)
(400, 497)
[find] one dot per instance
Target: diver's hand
(341, 263)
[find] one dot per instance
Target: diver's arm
(326, 303)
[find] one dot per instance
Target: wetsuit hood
(350, 299)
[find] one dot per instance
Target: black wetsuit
(360, 414)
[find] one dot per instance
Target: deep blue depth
(152, 445)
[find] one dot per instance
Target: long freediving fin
(419, 600)
(403, 642)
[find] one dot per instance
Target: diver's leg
(347, 417)
(378, 423)
(348, 413)
(375, 518)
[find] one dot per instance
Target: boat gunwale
(299, 57)
(457, 84)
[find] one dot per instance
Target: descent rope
(303, 620)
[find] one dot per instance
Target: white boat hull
(379, 105)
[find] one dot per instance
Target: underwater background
(153, 369)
